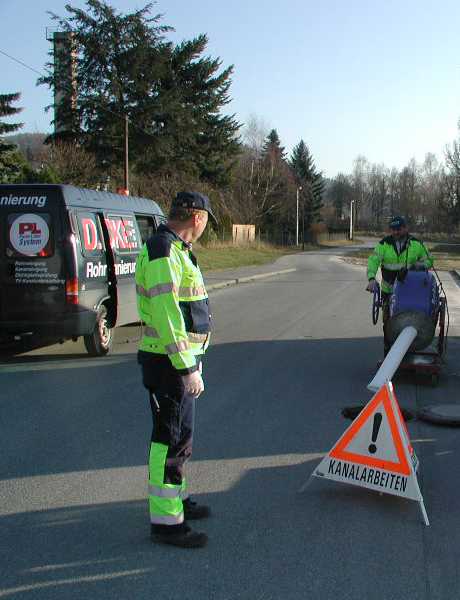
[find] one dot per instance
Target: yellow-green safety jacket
(172, 300)
(386, 256)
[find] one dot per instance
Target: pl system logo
(29, 234)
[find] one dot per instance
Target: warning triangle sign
(375, 451)
(373, 439)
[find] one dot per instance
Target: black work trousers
(173, 416)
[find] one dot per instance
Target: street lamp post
(297, 216)
(352, 224)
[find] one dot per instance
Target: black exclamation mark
(375, 431)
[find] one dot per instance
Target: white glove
(419, 266)
(193, 383)
(372, 284)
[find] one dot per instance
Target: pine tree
(311, 183)
(172, 95)
(276, 184)
(272, 151)
(6, 110)
(14, 167)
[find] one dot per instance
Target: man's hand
(372, 284)
(419, 266)
(193, 383)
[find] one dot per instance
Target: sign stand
(375, 452)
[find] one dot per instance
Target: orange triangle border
(338, 452)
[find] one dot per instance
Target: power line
(124, 117)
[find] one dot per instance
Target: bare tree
(377, 177)
(432, 193)
(410, 192)
(359, 183)
(452, 156)
(254, 133)
(74, 165)
(254, 188)
(340, 194)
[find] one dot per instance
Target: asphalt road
(288, 352)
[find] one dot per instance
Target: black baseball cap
(397, 222)
(188, 199)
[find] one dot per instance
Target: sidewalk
(215, 280)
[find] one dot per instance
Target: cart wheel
(375, 305)
(433, 379)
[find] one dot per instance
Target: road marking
(71, 580)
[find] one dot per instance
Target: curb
(455, 276)
(227, 282)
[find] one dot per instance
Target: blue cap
(397, 222)
(188, 199)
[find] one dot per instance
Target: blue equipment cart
(416, 301)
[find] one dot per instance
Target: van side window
(123, 233)
(146, 226)
(90, 237)
(29, 234)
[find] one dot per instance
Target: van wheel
(100, 341)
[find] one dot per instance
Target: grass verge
(220, 257)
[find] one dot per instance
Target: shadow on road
(270, 409)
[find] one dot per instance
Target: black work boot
(193, 510)
(183, 537)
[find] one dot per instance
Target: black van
(67, 261)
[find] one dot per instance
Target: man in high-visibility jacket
(397, 251)
(173, 303)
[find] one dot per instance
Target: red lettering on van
(118, 238)
(28, 228)
(90, 236)
(130, 234)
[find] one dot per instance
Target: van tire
(100, 341)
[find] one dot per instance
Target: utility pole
(126, 158)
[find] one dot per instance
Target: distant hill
(31, 145)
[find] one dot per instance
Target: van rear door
(125, 244)
(32, 272)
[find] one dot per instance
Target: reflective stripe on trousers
(170, 491)
(165, 503)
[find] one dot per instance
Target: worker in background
(173, 303)
(395, 252)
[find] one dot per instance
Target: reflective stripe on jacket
(386, 256)
(172, 300)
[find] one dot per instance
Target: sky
(372, 78)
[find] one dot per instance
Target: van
(67, 261)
